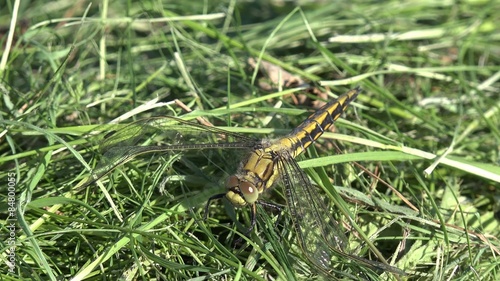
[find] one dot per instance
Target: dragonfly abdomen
(317, 123)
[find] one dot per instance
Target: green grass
(426, 123)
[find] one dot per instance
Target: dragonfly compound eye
(250, 193)
(232, 182)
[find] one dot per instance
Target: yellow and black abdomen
(316, 124)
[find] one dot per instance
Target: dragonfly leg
(253, 218)
(253, 211)
(215, 197)
(277, 207)
(253, 221)
(271, 205)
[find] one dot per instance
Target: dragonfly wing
(161, 134)
(169, 128)
(318, 234)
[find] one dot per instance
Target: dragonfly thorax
(240, 192)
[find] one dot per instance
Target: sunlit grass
(425, 126)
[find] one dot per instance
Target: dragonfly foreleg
(253, 211)
(214, 197)
(277, 207)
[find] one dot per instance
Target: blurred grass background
(427, 123)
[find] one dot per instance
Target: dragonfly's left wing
(318, 234)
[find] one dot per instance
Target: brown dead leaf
(276, 74)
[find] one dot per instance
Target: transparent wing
(318, 234)
(161, 134)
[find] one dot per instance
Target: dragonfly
(267, 163)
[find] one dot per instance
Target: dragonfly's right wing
(174, 131)
(161, 134)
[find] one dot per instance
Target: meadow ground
(424, 131)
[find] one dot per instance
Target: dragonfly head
(241, 192)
